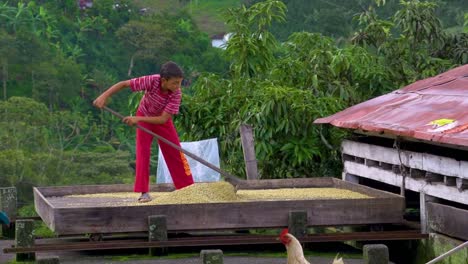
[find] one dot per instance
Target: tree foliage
(286, 64)
(251, 44)
(39, 147)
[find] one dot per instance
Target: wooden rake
(233, 180)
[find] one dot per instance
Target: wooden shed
(415, 139)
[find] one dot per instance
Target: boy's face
(171, 84)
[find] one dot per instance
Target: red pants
(175, 160)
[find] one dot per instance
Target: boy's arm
(100, 102)
(133, 120)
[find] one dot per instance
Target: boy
(161, 101)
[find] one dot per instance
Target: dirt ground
(139, 257)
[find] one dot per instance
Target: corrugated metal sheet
(434, 109)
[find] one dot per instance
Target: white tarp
(205, 149)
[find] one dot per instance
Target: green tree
(251, 46)
(150, 39)
(42, 147)
(8, 52)
(411, 44)
(280, 106)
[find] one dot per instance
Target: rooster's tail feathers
(338, 260)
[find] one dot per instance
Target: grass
(208, 14)
(158, 5)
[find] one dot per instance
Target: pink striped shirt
(154, 102)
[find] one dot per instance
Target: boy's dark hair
(171, 70)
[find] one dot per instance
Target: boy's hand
(130, 120)
(100, 102)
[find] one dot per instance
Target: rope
(396, 145)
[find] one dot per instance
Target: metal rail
(216, 240)
(448, 253)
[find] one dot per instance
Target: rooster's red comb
(284, 232)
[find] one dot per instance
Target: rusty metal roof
(434, 109)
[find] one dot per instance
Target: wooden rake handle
(234, 180)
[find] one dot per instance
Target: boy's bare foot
(144, 198)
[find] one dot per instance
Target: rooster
(294, 249)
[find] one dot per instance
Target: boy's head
(170, 70)
(171, 76)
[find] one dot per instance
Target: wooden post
(213, 256)
(25, 238)
(423, 199)
(157, 231)
(248, 147)
(462, 184)
(298, 223)
(8, 197)
(376, 254)
(49, 260)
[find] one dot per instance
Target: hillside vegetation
(275, 74)
(208, 14)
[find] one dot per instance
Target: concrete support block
(212, 256)
(298, 223)
(25, 238)
(157, 231)
(375, 254)
(8, 198)
(49, 260)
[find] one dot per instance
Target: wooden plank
(448, 220)
(366, 190)
(248, 147)
(43, 208)
(89, 189)
(387, 155)
(439, 190)
(422, 161)
(382, 208)
(443, 165)
(215, 216)
(287, 183)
